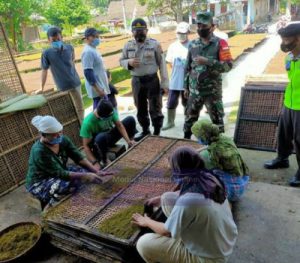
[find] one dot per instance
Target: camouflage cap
(204, 18)
(139, 23)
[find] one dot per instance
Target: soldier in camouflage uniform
(144, 58)
(208, 57)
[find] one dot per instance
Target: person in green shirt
(289, 122)
(48, 176)
(223, 158)
(101, 129)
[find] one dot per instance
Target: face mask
(204, 33)
(182, 37)
(57, 140)
(288, 47)
(57, 44)
(96, 42)
(202, 142)
(140, 37)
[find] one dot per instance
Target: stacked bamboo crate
(260, 106)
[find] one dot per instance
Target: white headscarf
(46, 124)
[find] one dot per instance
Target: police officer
(144, 57)
(208, 57)
(289, 123)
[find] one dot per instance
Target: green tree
(15, 14)
(67, 14)
(175, 8)
(100, 5)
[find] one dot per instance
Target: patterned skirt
(235, 185)
(51, 190)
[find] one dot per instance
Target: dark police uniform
(146, 86)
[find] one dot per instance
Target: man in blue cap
(208, 57)
(289, 123)
(96, 81)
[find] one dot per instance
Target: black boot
(277, 163)
(187, 135)
(142, 135)
(295, 181)
(156, 131)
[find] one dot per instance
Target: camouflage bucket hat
(206, 131)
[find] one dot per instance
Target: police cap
(291, 30)
(139, 23)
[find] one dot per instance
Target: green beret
(292, 29)
(204, 18)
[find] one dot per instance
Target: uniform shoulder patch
(224, 51)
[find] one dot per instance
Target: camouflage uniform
(204, 82)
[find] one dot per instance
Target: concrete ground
(268, 220)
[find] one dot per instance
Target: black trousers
(148, 100)
(289, 133)
(104, 140)
(173, 99)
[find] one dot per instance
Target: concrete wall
(261, 8)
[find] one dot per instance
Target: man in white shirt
(176, 57)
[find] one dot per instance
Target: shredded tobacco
(18, 240)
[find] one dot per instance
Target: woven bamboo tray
(259, 112)
(17, 135)
(75, 221)
(11, 83)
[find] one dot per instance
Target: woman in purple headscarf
(200, 227)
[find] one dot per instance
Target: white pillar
(248, 12)
(217, 9)
(288, 8)
(124, 16)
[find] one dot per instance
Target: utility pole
(124, 16)
(288, 8)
